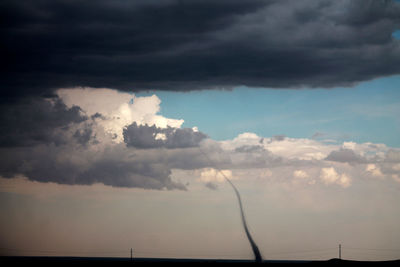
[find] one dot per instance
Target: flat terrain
(83, 261)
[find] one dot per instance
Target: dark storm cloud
(75, 165)
(144, 136)
(84, 135)
(36, 121)
(185, 45)
(117, 173)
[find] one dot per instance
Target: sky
(340, 113)
(120, 121)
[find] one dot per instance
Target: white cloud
(374, 170)
(330, 176)
(290, 148)
(247, 136)
(118, 109)
(93, 100)
(248, 150)
(344, 181)
(160, 136)
(303, 149)
(244, 139)
(349, 145)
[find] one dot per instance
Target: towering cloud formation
(186, 45)
(77, 137)
(114, 110)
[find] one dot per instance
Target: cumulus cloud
(75, 138)
(116, 109)
(303, 176)
(145, 136)
(35, 121)
(277, 138)
(345, 155)
(374, 170)
(330, 176)
(84, 135)
(88, 136)
(249, 148)
(110, 165)
(279, 44)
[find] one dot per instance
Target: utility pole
(340, 251)
(131, 254)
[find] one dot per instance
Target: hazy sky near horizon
(120, 120)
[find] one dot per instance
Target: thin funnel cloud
(253, 244)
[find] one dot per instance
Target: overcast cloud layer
(187, 45)
(130, 144)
